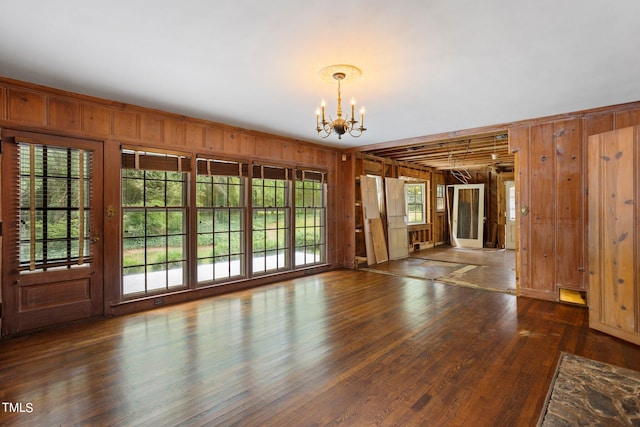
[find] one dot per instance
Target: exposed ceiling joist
(471, 152)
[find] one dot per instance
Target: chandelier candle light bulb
(353, 106)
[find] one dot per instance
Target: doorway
(52, 250)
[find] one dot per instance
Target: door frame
(81, 302)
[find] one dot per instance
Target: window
(310, 228)
(416, 203)
(271, 220)
(440, 197)
(511, 202)
(221, 217)
(55, 188)
(154, 212)
(249, 220)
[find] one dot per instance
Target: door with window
(467, 225)
(52, 222)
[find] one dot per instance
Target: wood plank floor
(487, 268)
(339, 348)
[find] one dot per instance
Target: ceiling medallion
(324, 127)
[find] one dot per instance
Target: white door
(396, 219)
(510, 214)
(467, 224)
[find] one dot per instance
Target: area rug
(586, 392)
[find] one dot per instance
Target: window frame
(423, 202)
(440, 198)
(314, 183)
(274, 180)
(222, 176)
(155, 167)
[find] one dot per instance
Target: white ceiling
(429, 66)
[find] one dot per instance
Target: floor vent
(573, 297)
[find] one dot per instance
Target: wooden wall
(551, 177)
(25, 106)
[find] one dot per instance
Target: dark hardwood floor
(487, 268)
(340, 348)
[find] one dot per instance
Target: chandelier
(340, 125)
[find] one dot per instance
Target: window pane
(205, 220)
(133, 223)
(133, 252)
(221, 220)
(132, 192)
(175, 222)
(156, 222)
(154, 192)
(175, 193)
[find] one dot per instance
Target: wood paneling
(64, 114)
(569, 205)
(597, 123)
(96, 120)
(519, 144)
(39, 296)
(125, 124)
(174, 132)
(151, 128)
(231, 142)
(194, 135)
(551, 183)
(3, 102)
(214, 138)
(27, 107)
(627, 118)
(246, 145)
(542, 161)
(614, 277)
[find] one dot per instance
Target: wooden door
(613, 195)
(468, 215)
(396, 219)
(52, 216)
(510, 214)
